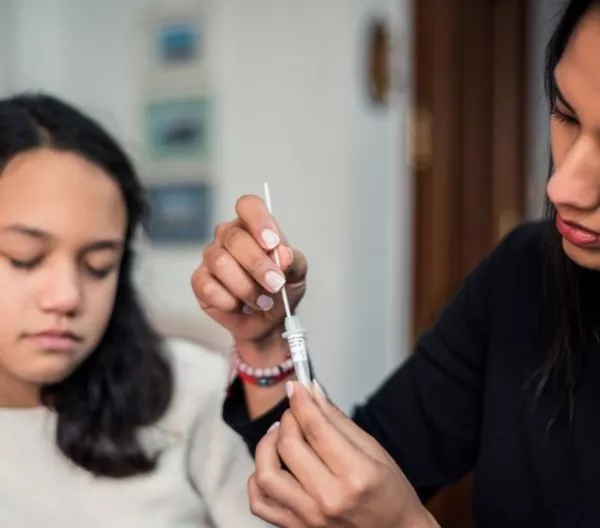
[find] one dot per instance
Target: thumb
(294, 266)
(346, 426)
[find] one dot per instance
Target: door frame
(468, 132)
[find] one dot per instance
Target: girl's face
(574, 188)
(62, 232)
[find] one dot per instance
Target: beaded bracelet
(262, 377)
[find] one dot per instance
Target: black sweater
(464, 401)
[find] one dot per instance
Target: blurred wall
(288, 78)
(4, 45)
(542, 17)
(291, 110)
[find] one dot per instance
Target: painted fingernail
(274, 280)
(264, 302)
(319, 389)
(273, 427)
(291, 255)
(289, 389)
(247, 309)
(286, 255)
(270, 238)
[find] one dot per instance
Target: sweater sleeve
(219, 467)
(216, 462)
(427, 414)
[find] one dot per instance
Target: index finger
(339, 454)
(253, 213)
(277, 483)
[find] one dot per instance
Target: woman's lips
(577, 234)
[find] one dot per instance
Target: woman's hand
(336, 474)
(238, 282)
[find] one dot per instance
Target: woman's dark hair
(126, 383)
(563, 367)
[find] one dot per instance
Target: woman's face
(574, 188)
(62, 231)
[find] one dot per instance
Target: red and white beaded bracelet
(262, 377)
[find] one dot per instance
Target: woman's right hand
(318, 468)
(238, 281)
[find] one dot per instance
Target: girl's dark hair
(563, 366)
(126, 383)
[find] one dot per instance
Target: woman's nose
(576, 182)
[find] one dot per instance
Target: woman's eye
(564, 118)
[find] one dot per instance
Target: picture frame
(178, 128)
(176, 44)
(180, 213)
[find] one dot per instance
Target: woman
(506, 384)
(102, 424)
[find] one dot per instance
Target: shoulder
(512, 282)
(522, 254)
(197, 370)
(509, 278)
(216, 461)
(518, 257)
(529, 239)
(200, 382)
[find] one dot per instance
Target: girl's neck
(18, 394)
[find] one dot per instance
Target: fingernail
(247, 309)
(291, 254)
(270, 238)
(287, 259)
(274, 280)
(289, 389)
(264, 302)
(273, 427)
(319, 390)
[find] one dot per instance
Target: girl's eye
(25, 264)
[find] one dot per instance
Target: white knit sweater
(200, 481)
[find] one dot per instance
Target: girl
(506, 384)
(102, 424)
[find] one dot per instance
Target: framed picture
(178, 129)
(180, 213)
(177, 43)
(176, 48)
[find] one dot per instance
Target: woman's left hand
(336, 474)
